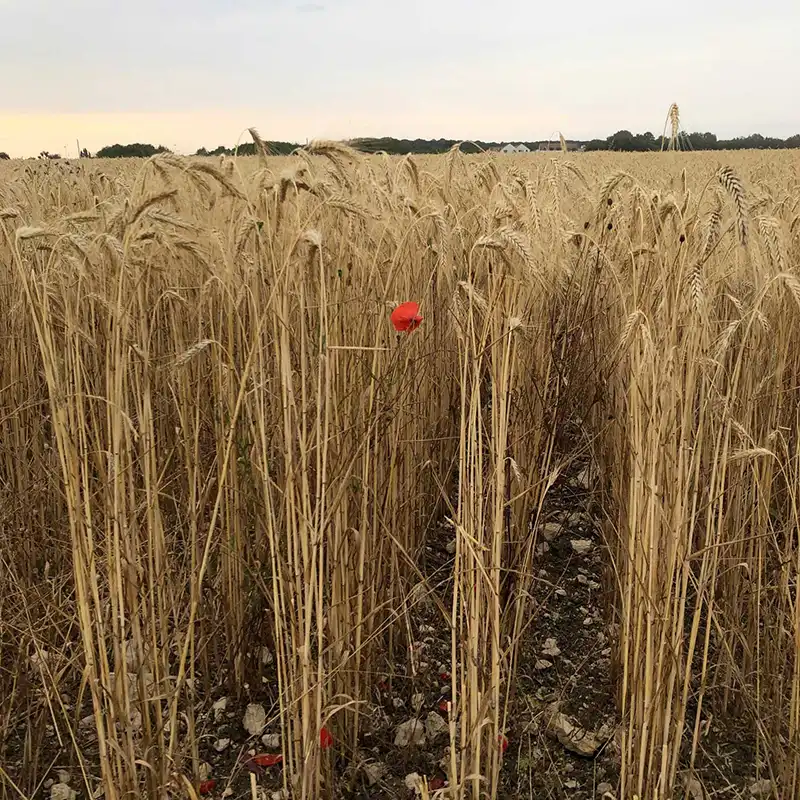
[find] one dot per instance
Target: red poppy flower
(443, 706)
(206, 787)
(325, 738)
(266, 759)
(437, 783)
(406, 317)
(503, 742)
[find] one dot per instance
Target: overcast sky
(191, 74)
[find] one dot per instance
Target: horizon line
(476, 141)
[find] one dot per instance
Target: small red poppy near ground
(266, 759)
(325, 738)
(503, 742)
(437, 783)
(406, 317)
(206, 787)
(443, 706)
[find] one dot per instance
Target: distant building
(515, 148)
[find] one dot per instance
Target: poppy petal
(325, 738)
(266, 759)
(406, 317)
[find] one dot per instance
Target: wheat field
(228, 484)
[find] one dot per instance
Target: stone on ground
(408, 733)
(255, 718)
(581, 546)
(572, 736)
(435, 726)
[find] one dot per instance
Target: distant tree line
(392, 146)
(136, 150)
(249, 149)
(644, 142)
(622, 140)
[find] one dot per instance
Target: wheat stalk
(733, 186)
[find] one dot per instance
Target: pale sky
(191, 74)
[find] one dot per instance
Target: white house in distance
(515, 148)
